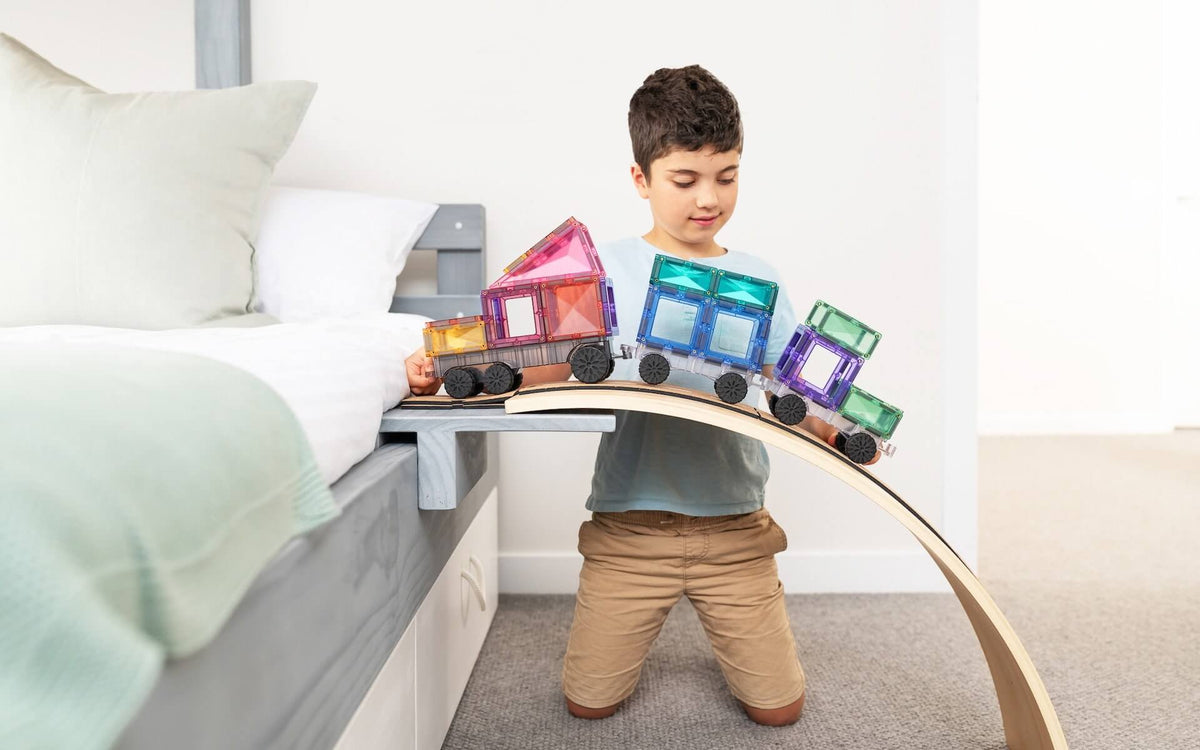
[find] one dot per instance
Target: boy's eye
(728, 181)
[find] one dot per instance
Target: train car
(815, 376)
(707, 321)
(715, 323)
(553, 305)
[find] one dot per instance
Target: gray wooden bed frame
(304, 645)
(308, 639)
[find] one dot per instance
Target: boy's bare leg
(583, 712)
(775, 717)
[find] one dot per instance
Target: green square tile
(869, 412)
(837, 326)
(741, 289)
(683, 275)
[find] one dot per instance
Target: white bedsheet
(337, 375)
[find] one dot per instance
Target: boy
(678, 506)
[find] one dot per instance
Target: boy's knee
(583, 712)
(776, 717)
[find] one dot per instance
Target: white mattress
(338, 376)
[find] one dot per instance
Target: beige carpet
(1091, 547)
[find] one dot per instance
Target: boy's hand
(545, 374)
(420, 374)
(822, 429)
(832, 440)
(828, 433)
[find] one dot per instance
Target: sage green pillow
(132, 210)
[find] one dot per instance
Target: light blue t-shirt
(654, 462)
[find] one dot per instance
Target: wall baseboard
(855, 572)
(1079, 423)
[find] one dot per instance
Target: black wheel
(789, 409)
(590, 363)
(460, 382)
(478, 377)
(772, 399)
(499, 378)
(654, 368)
(859, 447)
(731, 388)
(520, 379)
(612, 365)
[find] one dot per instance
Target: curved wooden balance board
(1025, 708)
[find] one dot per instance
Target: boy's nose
(706, 199)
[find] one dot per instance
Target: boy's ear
(640, 180)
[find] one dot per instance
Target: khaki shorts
(636, 566)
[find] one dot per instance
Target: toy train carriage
(707, 321)
(815, 375)
(553, 305)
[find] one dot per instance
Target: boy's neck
(668, 244)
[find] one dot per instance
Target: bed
(299, 655)
(123, 330)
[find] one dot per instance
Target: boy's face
(692, 194)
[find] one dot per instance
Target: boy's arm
(816, 426)
(545, 374)
(828, 433)
(821, 429)
(421, 381)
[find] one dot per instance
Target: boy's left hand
(828, 433)
(831, 438)
(420, 374)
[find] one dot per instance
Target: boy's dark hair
(684, 108)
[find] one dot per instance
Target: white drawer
(387, 716)
(413, 699)
(451, 625)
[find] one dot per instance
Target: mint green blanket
(140, 494)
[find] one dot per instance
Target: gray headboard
(456, 232)
(222, 43)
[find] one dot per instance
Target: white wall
(1181, 210)
(1073, 309)
(125, 45)
(521, 106)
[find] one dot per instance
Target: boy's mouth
(704, 221)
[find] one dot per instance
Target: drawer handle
(476, 583)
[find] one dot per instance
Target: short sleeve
(783, 325)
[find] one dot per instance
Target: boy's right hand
(421, 381)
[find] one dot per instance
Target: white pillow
(326, 253)
(132, 210)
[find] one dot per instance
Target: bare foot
(776, 717)
(583, 712)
